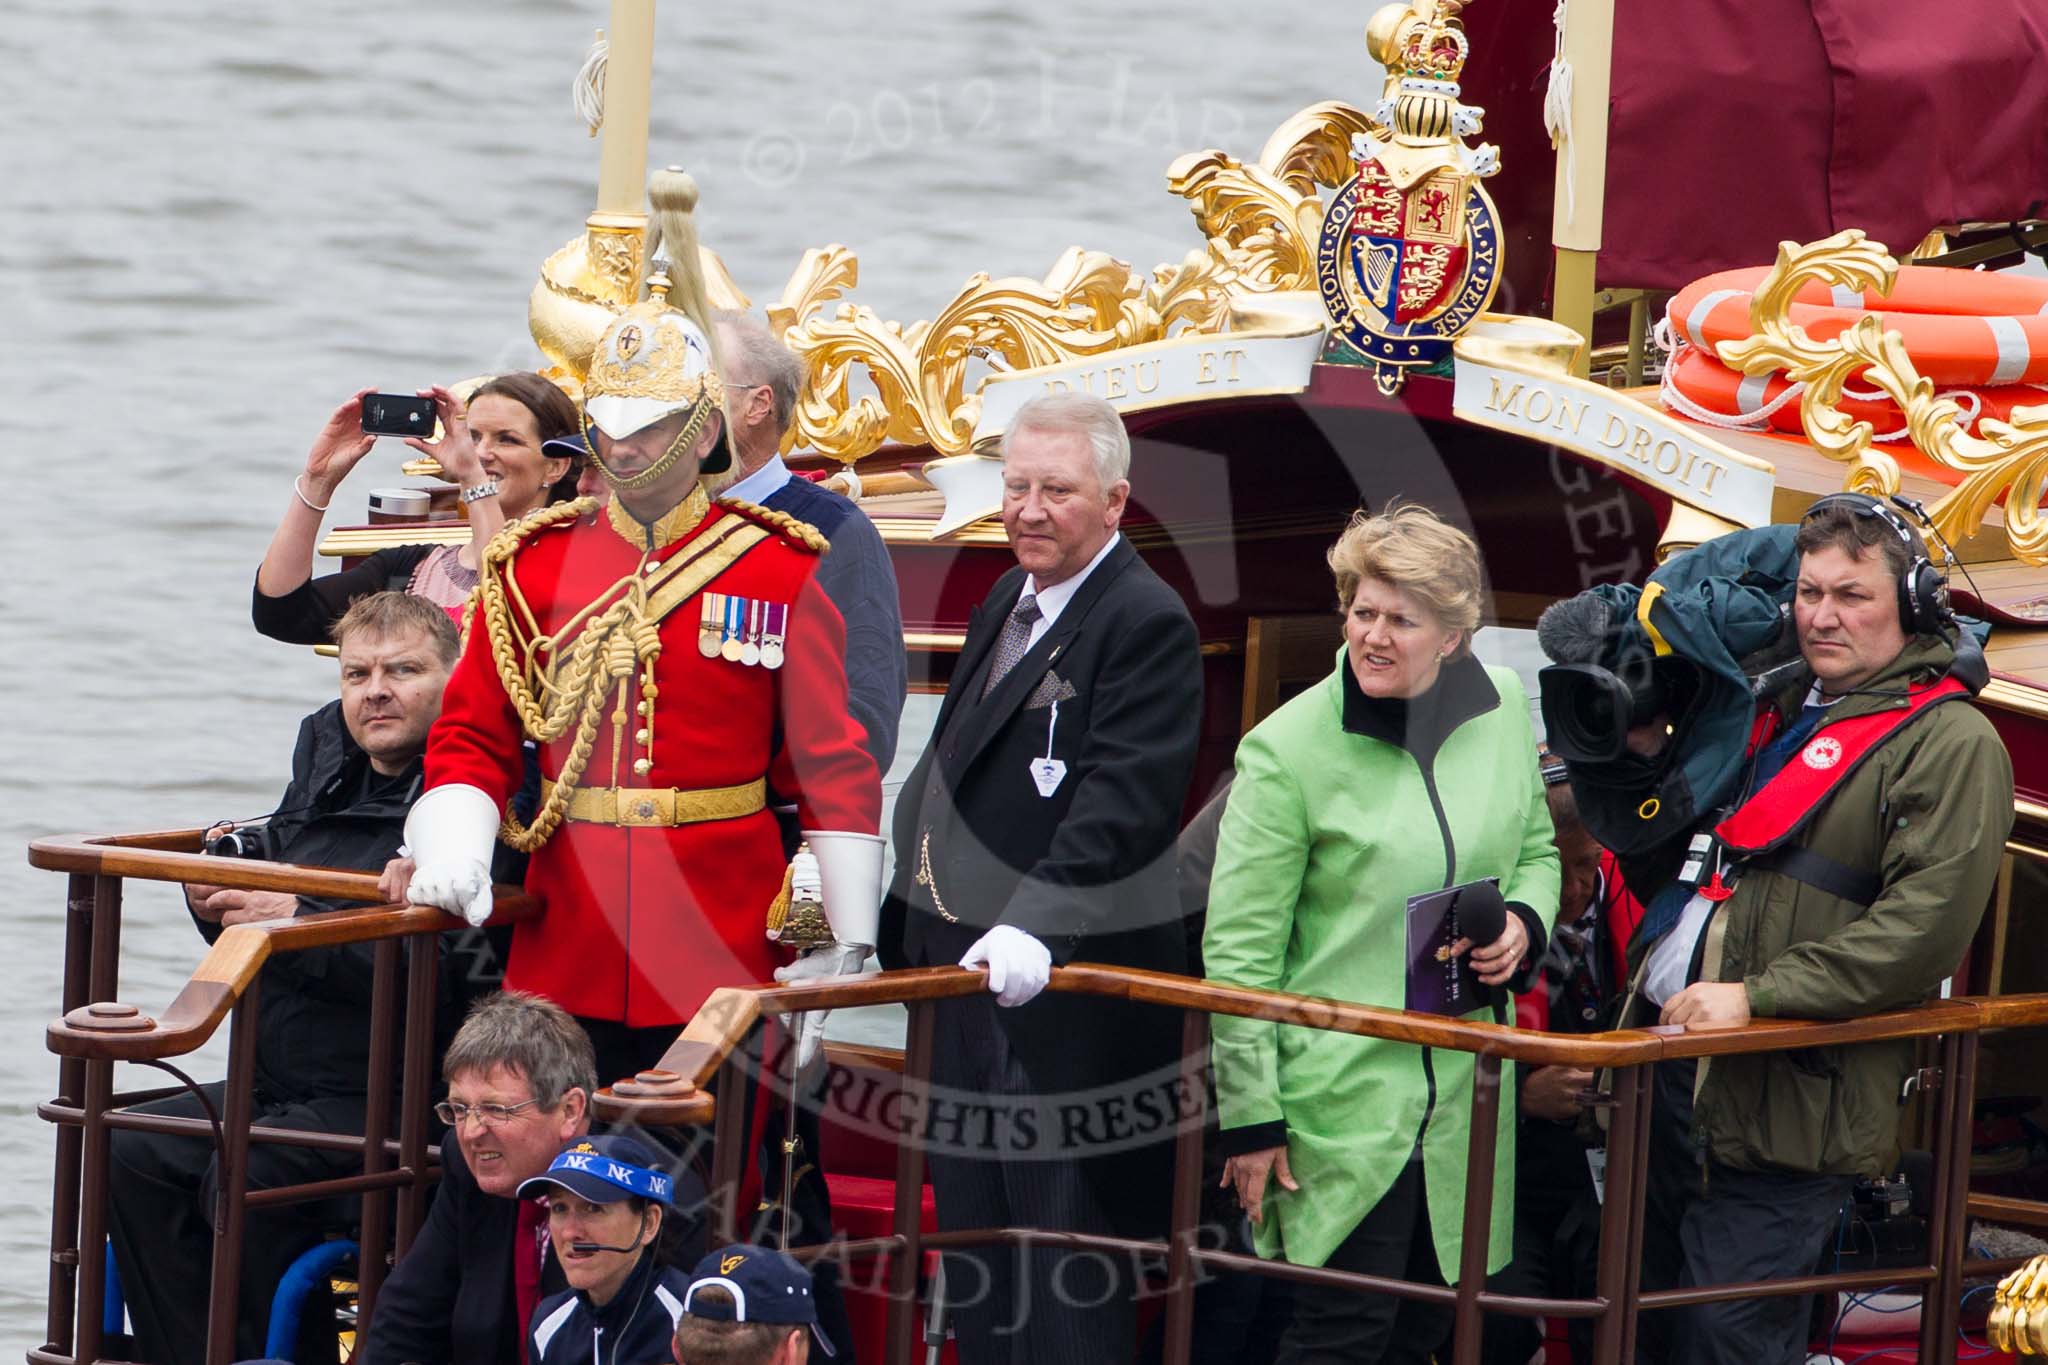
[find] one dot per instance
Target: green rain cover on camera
(1721, 604)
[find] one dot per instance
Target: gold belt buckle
(643, 807)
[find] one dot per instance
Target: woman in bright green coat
(1411, 768)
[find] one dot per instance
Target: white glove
(1018, 964)
(848, 868)
(451, 832)
(849, 882)
(820, 963)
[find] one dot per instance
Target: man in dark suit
(520, 1075)
(1038, 829)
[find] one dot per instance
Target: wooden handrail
(119, 1032)
(677, 1091)
(173, 856)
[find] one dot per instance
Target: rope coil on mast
(1557, 112)
(586, 92)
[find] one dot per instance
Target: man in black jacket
(520, 1075)
(1037, 829)
(355, 773)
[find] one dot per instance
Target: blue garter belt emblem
(1402, 273)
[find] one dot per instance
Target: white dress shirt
(761, 485)
(1053, 600)
(1670, 962)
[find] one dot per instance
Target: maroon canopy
(1736, 124)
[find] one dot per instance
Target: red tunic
(643, 923)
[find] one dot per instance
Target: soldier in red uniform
(673, 658)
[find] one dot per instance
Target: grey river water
(222, 218)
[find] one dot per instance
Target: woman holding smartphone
(493, 448)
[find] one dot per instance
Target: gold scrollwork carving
(1260, 221)
(2008, 458)
(1314, 146)
(1087, 303)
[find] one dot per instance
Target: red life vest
(1758, 830)
(1777, 810)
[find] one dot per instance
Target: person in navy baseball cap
(609, 1199)
(743, 1297)
(576, 446)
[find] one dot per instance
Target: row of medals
(742, 630)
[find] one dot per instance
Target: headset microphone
(585, 1248)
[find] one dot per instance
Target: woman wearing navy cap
(609, 1201)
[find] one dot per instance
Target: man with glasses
(762, 381)
(520, 1075)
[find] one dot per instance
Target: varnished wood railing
(712, 1055)
(95, 1030)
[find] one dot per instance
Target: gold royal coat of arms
(1409, 252)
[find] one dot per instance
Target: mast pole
(1586, 52)
(628, 81)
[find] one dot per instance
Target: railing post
(103, 982)
(1638, 1196)
(1187, 1191)
(92, 1231)
(1478, 1208)
(232, 1177)
(1941, 1309)
(906, 1260)
(422, 984)
(729, 1147)
(64, 1258)
(1618, 1272)
(376, 1123)
(105, 978)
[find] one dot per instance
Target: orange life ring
(1961, 327)
(1739, 398)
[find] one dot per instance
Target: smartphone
(396, 414)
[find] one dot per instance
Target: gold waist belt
(662, 806)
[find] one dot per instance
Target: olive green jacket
(1928, 812)
(1327, 833)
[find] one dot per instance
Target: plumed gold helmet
(658, 358)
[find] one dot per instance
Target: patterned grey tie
(1016, 637)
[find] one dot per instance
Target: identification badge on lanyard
(1048, 772)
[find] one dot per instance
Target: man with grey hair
(520, 1075)
(762, 381)
(1038, 829)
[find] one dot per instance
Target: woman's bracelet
(300, 494)
(477, 492)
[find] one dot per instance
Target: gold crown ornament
(658, 357)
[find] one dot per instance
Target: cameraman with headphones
(1847, 880)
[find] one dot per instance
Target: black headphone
(1922, 591)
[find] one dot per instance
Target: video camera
(1678, 661)
(1589, 707)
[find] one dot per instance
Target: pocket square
(1051, 688)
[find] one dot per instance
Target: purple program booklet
(1437, 982)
